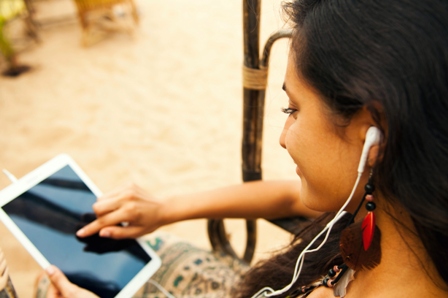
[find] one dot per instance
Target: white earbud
(373, 137)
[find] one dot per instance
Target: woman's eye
(289, 111)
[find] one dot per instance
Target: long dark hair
(388, 55)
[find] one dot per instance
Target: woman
(354, 65)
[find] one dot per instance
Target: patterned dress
(189, 272)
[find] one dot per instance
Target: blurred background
(158, 102)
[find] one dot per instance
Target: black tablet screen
(51, 212)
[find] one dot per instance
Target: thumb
(60, 281)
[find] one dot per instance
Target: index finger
(110, 219)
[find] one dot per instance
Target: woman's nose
(284, 131)
(282, 138)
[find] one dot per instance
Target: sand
(161, 107)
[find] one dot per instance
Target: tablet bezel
(38, 175)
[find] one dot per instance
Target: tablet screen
(51, 212)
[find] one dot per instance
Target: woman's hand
(61, 287)
(131, 205)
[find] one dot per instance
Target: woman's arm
(144, 214)
(258, 199)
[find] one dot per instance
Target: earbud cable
(268, 291)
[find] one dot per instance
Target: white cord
(268, 291)
(10, 176)
(161, 289)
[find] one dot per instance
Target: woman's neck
(406, 269)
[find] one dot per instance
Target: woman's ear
(370, 134)
(372, 138)
(376, 111)
(373, 156)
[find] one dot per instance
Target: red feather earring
(368, 224)
(360, 242)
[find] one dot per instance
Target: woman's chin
(299, 173)
(317, 204)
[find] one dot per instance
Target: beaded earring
(360, 242)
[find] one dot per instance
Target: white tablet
(46, 207)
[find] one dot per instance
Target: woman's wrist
(171, 210)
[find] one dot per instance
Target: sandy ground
(161, 107)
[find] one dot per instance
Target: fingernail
(105, 234)
(80, 232)
(50, 270)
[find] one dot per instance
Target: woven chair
(255, 75)
(11, 10)
(88, 9)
